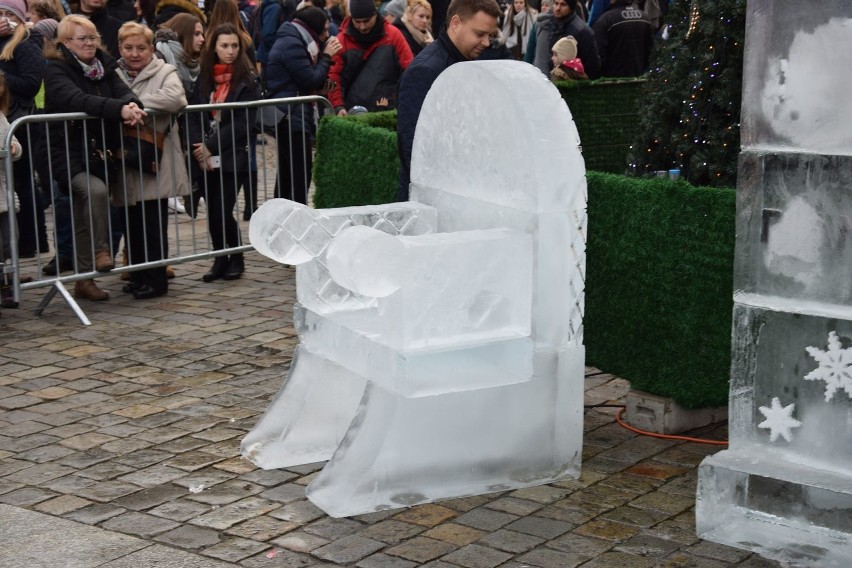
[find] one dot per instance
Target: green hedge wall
(660, 260)
(659, 286)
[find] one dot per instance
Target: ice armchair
(440, 339)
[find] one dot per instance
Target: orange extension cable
(627, 426)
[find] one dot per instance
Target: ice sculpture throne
(441, 339)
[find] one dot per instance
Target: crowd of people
(112, 59)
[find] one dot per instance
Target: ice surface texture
(441, 339)
(784, 488)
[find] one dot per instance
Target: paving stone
(238, 466)
(541, 494)
(61, 505)
(464, 504)
(26, 496)
(279, 558)
(143, 458)
(391, 531)
(477, 556)
(95, 514)
(299, 541)
(7, 486)
(647, 545)
(40, 473)
(152, 476)
(107, 491)
(203, 479)
(348, 549)
(262, 528)
(8, 466)
(45, 453)
(515, 506)
(301, 512)
(81, 460)
(188, 536)
(23, 429)
(582, 545)
(656, 470)
(427, 515)
(235, 549)
(180, 510)
(485, 519)
(607, 530)
(510, 541)
(151, 497)
(384, 561)
(226, 492)
(634, 516)
(20, 401)
(124, 446)
(284, 493)
(332, 529)
(192, 461)
(270, 478)
(616, 559)
(139, 524)
(25, 443)
(629, 483)
(459, 535)
(233, 513)
(105, 470)
(421, 549)
(540, 527)
(718, 551)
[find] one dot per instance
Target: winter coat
(23, 75)
(517, 30)
(363, 76)
(272, 14)
(292, 73)
(159, 88)
(549, 30)
(409, 38)
(108, 30)
(625, 38)
(122, 10)
(14, 150)
(228, 136)
(66, 89)
(413, 86)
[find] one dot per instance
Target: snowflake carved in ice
(779, 420)
(835, 367)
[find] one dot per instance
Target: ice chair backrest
(496, 132)
(496, 146)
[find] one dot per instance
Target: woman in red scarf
(220, 139)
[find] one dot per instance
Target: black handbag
(143, 148)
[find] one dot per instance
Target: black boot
(236, 267)
(220, 267)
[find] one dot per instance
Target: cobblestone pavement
(128, 431)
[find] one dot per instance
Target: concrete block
(663, 415)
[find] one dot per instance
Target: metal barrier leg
(69, 299)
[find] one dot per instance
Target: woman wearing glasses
(81, 77)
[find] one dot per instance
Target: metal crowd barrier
(188, 236)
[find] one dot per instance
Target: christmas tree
(690, 118)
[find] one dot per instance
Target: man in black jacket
(470, 24)
(625, 37)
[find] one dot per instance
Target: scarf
(311, 40)
(222, 78)
(93, 71)
(188, 69)
(420, 37)
(369, 38)
(131, 75)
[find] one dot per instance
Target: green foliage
(386, 119)
(659, 286)
(690, 118)
(356, 164)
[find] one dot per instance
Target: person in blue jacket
(298, 66)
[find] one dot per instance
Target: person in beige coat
(146, 185)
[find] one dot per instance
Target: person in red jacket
(366, 70)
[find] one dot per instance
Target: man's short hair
(466, 9)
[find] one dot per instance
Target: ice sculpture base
(406, 451)
(759, 502)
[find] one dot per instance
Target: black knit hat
(313, 17)
(362, 9)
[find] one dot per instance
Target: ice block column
(784, 486)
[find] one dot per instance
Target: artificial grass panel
(606, 112)
(356, 164)
(659, 287)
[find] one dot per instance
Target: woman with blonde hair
(146, 187)
(415, 25)
(81, 77)
(21, 61)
